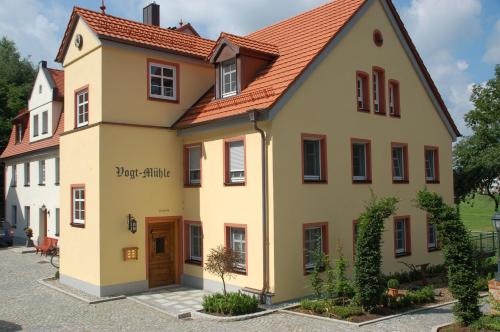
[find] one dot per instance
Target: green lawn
(477, 216)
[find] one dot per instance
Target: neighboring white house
(32, 159)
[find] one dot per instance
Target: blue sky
(459, 40)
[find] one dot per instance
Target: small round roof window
(378, 39)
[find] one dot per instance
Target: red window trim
(187, 243)
(355, 223)
(366, 89)
(75, 113)
(406, 163)
(436, 163)
(73, 187)
(324, 156)
(177, 81)
(186, 165)
(227, 243)
(407, 236)
(368, 160)
(378, 38)
(226, 160)
(397, 100)
(438, 246)
(381, 88)
(324, 240)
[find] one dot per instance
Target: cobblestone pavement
(29, 305)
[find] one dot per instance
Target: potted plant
(29, 234)
(393, 287)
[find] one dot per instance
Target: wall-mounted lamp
(132, 224)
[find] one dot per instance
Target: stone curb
(201, 315)
(437, 327)
(181, 315)
(114, 298)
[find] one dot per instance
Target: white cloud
(438, 28)
(492, 55)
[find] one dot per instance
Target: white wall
(34, 195)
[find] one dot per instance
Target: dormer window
(228, 78)
(19, 132)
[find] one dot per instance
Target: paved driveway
(28, 305)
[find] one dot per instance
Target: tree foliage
(458, 254)
(16, 79)
(368, 279)
(477, 157)
(221, 262)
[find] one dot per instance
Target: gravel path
(29, 305)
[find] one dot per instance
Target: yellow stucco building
(269, 143)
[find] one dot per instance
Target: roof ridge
(140, 23)
(245, 37)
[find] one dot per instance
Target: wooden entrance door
(162, 253)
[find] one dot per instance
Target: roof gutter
(254, 116)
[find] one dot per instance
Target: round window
(378, 39)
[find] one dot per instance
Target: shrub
(317, 306)
(327, 307)
(233, 304)
(393, 283)
(320, 260)
(421, 296)
(369, 283)
(487, 323)
(346, 311)
(458, 254)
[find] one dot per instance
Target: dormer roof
(242, 44)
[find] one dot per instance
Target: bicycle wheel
(54, 260)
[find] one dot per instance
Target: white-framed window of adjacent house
(235, 161)
(432, 237)
(45, 122)
(378, 78)
(82, 107)
(194, 164)
(361, 161)
(402, 245)
(362, 93)
(27, 174)
(399, 158)
(13, 175)
(313, 239)
(314, 158)
(57, 174)
(195, 243)
(163, 80)
(431, 164)
(19, 132)
(228, 78)
(41, 172)
(58, 221)
(236, 240)
(27, 216)
(78, 206)
(394, 99)
(13, 215)
(35, 125)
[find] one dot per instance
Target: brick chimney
(151, 14)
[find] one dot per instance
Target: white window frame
(392, 109)
(45, 122)
(192, 238)
(27, 173)
(360, 92)
(240, 266)
(402, 164)
(223, 74)
(80, 202)
(376, 91)
(190, 180)
(41, 172)
(402, 232)
(360, 177)
(236, 178)
(431, 165)
(307, 243)
(313, 177)
(162, 77)
(19, 132)
(36, 125)
(82, 108)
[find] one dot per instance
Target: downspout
(265, 238)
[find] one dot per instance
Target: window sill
(26, 185)
(433, 249)
(57, 234)
(45, 133)
(314, 181)
(397, 116)
(400, 181)
(403, 254)
(77, 225)
(364, 110)
(432, 181)
(193, 262)
(56, 183)
(240, 272)
(192, 185)
(41, 184)
(361, 181)
(311, 270)
(154, 98)
(234, 184)
(379, 113)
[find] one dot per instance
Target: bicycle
(54, 257)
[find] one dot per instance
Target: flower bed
(484, 324)
(230, 304)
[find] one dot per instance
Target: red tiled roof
(58, 77)
(21, 112)
(127, 31)
(25, 146)
(299, 40)
(246, 43)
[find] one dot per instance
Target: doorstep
(176, 301)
